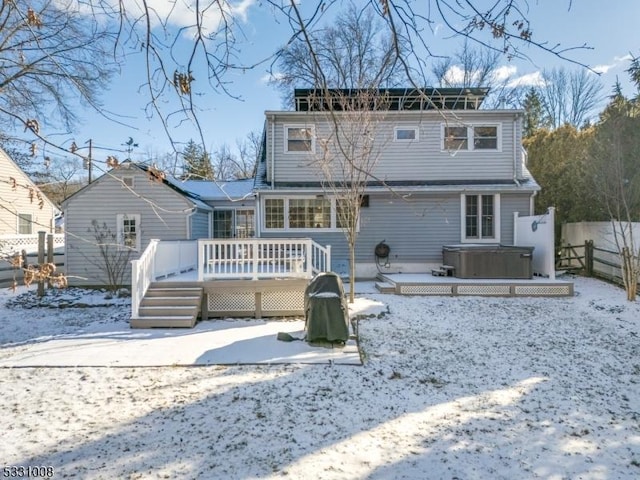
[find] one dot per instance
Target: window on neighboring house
(483, 137)
(25, 224)
(128, 181)
(129, 231)
(234, 223)
(480, 217)
(455, 138)
(406, 134)
(299, 139)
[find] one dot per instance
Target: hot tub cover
(326, 309)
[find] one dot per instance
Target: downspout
(273, 151)
(189, 231)
(515, 152)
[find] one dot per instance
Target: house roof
(168, 181)
(216, 190)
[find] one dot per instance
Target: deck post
(254, 259)
(200, 261)
(309, 260)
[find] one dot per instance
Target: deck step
(170, 321)
(385, 287)
(156, 310)
(443, 271)
(153, 301)
(172, 292)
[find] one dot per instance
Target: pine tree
(196, 163)
(534, 117)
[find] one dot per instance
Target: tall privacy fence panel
(591, 247)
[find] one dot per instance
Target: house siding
(163, 214)
(420, 160)
(415, 227)
(16, 201)
(200, 224)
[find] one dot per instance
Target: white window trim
(234, 210)
(286, 139)
(406, 140)
(463, 216)
(120, 233)
(470, 136)
(31, 222)
(263, 216)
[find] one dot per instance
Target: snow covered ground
(465, 387)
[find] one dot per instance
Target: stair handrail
(142, 274)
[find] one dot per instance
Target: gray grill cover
(326, 309)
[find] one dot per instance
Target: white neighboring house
(24, 209)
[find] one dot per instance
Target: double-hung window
(25, 224)
(481, 220)
(471, 137)
(129, 231)
(299, 138)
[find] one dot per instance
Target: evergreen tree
(196, 163)
(534, 117)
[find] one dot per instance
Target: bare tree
(52, 60)
(114, 255)
(61, 179)
(569, 96)
(348, 156)
(476, 67)
(353, 51)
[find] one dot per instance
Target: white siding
(15, 201)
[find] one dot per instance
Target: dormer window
(299, 138)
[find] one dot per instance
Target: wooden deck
(427, 284)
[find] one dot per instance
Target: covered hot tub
(489, 260)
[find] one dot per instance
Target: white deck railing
(142, 274)
(261, 258)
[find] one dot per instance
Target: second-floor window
(406, 134)
(299, 138)
(471, 137)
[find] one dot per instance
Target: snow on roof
(215, 190)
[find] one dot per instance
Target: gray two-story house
(446, 172)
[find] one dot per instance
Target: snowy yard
(465, 387)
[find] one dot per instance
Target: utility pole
(90, 162)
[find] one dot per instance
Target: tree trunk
(352, 272)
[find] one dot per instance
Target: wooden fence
(591, 260)
(48, 250)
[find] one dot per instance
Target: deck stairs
(443, 271)
(169, 305)
(383, 285)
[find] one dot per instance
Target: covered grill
(326, 309)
